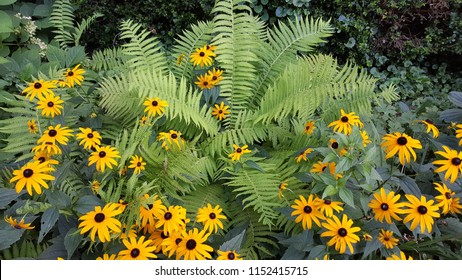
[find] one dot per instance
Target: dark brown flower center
(324, 168)
(307, 127)
(90, 135)
(307, 209)
(334, 145)
(344, 119)
(342, 232)
(447, 195)
(178, 240)
(238, 150)
(70, 74)
(402, 141)
(41, 159)
(174, 136)
(201, 54)
(206, 83)
(134, 253)
(386, 238)
(191, 244)
(37, 85)
(168, 216)
(327, 201)
(154, 103)
(52, 133)
(28, 173)
(456, 161)
(384, 206)
(99, 217)
(214, 78)
(138, 164)
(163, 235)
(102, 154)
(17, 227)
(422, 210)
(150, 206)
(50, 104)
(212, 216)
(231, 256)
(220, 112)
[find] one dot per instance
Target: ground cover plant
(242, 142)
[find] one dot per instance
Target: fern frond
(198, 35)
(83, 26)
(213, 194)
(108, 59)
(62, 18)
(144, 50)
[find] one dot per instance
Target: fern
(144, 51)
(62, 18)
(109, 59)
(83, 26)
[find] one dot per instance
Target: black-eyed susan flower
(202, 56)
(328, 206)
(303, 154)
(32, 176)
(402, 144)
(401, 257)
(39, 88)
(149, 209)
(144, 120)
(367, 237)
(431, 127)
(103, 156)
(32, 126)
(48, 147)
(155, 106)
(420, 212)
(452, 164)
(193, 247)
(17, 225)
(180, 58)
(170, 219)
(346, 122)
(157, 238)
(95, 186)
(171, 243)
(170, 138)
(204, 82)
(215, 76)
(88, 138)
(228, 255)
(107, 257)
(307, 212)
(282, 186)
(342, 233)
(365, 138)
(56, 134)
(445, 199)
(137, 164)
(125, 232)
(238, 152)
(137, 249)
(50, 105)
(387, 239)
(309, 127)
(122, 204)
(101, 222)
(458, 128)
(386, 206)
(211, 217)
(336, 146)
(220, 111)
(319, 167)
(43, 156)
(74, 76)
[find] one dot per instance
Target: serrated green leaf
(72, 241)
(8, 195)
(347, 196)
(49, 219)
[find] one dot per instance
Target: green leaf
(371, 246)
(42, 11)
(9, 235)
(234, 244)
(72, 241)
(408, 184)
(3, 60)
(6, 25)
(329, 191)
(347, 196)
(7, 2)
(56, 54)
(87, 203)
(7, 196)
(344, 164)
(58, 198)
(49, 219)
(254, 165)
(75, 55)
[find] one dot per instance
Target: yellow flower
(171, 219)
(101, 222)
(220, 111)
(346, 122)
(144, 120)
(149, 209)
(431, 127)
(158, 237)
(328, 206)
(228, 255)
(387, 239)
(32, 126)
(385, 206)
(180, 58)
(402, 144)
(90, 138)
(168, 138)
(303, 154)
(39, 88)
(320, 166)
(50, 105)
(14, 223)
(202, 56)
(204, 82)
(215, 76)
(365, 137)
(307, 212)
(137, 250)
(309, 127)
(137, 163)
(107, 257)
(335, 145)
(171, 243)
(342, 233)
(458, 131)
(192, 245)
(155, 106)
(32, 175)
(238, 152)
(103, 156)
(95, 185)
(401, 256)
(452, 164)
(74, 76)
(210, 218)
(49, 147)
(282, 186)
(367, 237)
(56, 134)
(420, 212)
